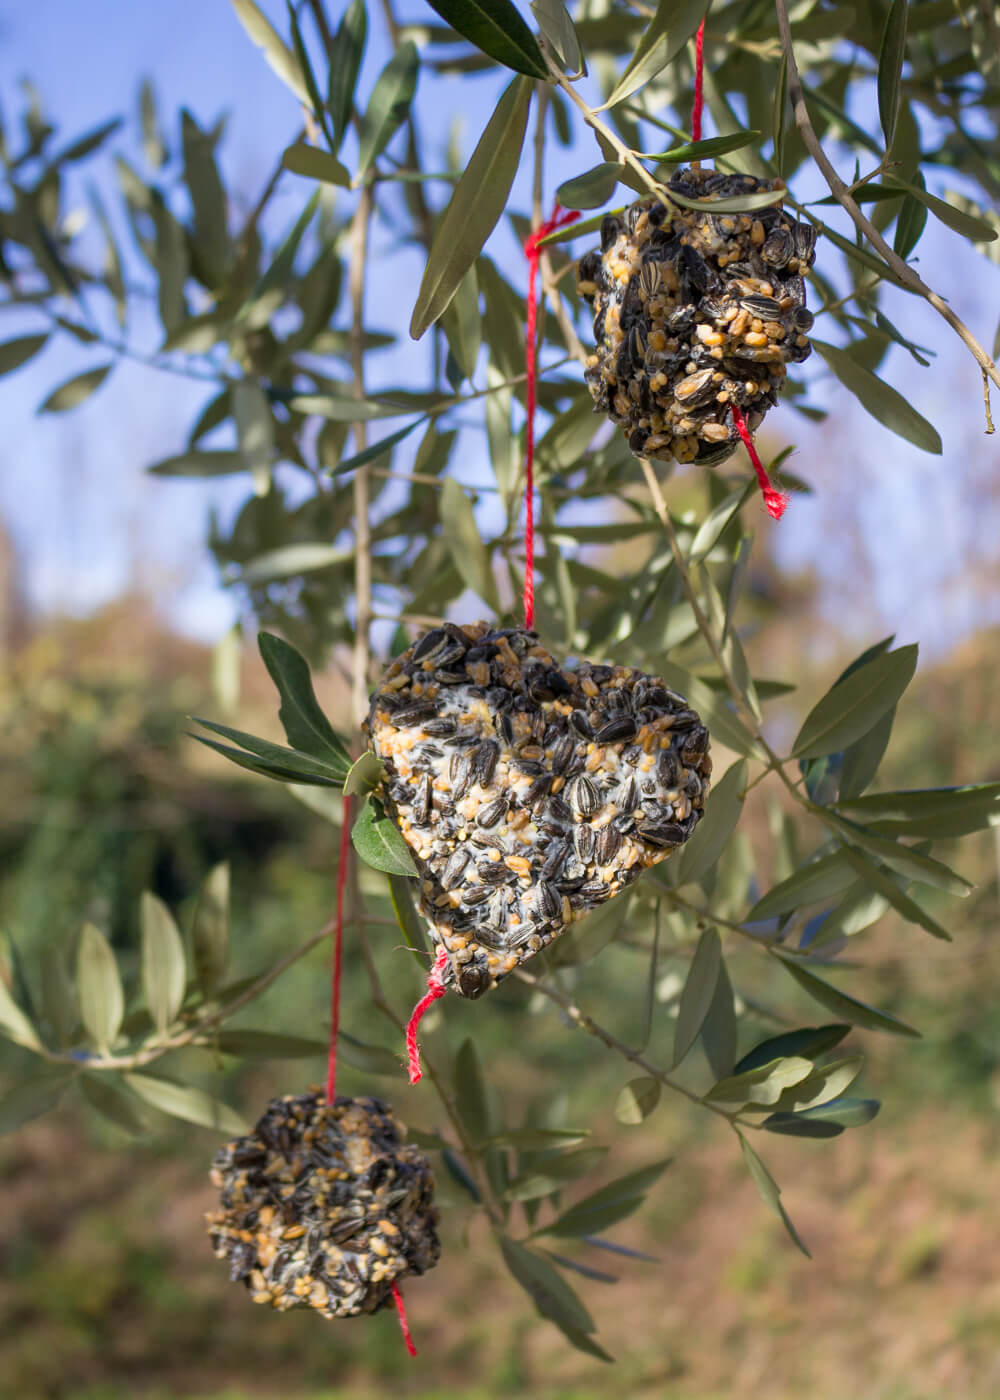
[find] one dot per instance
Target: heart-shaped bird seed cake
(528, 792)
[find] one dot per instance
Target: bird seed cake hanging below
(528, 792)
(695, 313)
(324, 1206)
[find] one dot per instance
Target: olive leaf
(478, 201)
(496, 28)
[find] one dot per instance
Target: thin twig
(191, 1034)
(842, 195)
(593, 1028)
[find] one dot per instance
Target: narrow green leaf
(292, 764)
(591, 189)
(302, 159)
(372, 1059)
(15, 353)
(810, 1042)
(855, 703)
(905, 860)
(637, 1100)
(937, 812)
(496, 29)
(344, 409)
(389, 105)
(102, 1001)
(186, 1101)
(879, 881)
(379, 843)
(537, 1139)
(58, 998)
(826, 1082)
(163, 967)
(885, 404)
(719, 1030)
(674, 23)
(294, 768)
(364, 776)
(597, 1275)
(769, 1190)
(266, 1045)
(819, 880)
(608, 1205)
(374, 452)
(32, 1097)
(550, 1293)
(153, 143)
(306, 726)
(699, 989)
(892, 51)
(14, 1024)
(555, 23)
(75, 390)
(411, 925)
(462, 324)
(470, 556)
(171, 265)
(763, 1085)
(470, 1091)
(862, 758)
(859, 1013)
(113, 1103)
(711, 835)
(968, 225)
(200, 463)
(208, 200)
(478, 201)
(86, 145)
(279, 56)
(255, 431)
(292, 561)
(708, 149)
(735, 204)
(210, 930)
(583, 229)
(346, 53)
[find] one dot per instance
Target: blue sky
(894, 534)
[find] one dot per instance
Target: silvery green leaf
(163, 966)
(102, 1000)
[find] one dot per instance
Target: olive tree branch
(843, 196)
(190, 1034)
(599, 1032)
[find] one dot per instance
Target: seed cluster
(324, 1206)
(529, 793)
(695, 312)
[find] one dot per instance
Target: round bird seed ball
(324, 1206)
(695, 312)
(528, 792)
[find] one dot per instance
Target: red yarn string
(699, 83)
(559, 219)
(338, 951)
(435, 989)
(775, 500)
(404, 1326)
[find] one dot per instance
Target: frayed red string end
(775, 500)
(404, 1326)
(435, 989)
